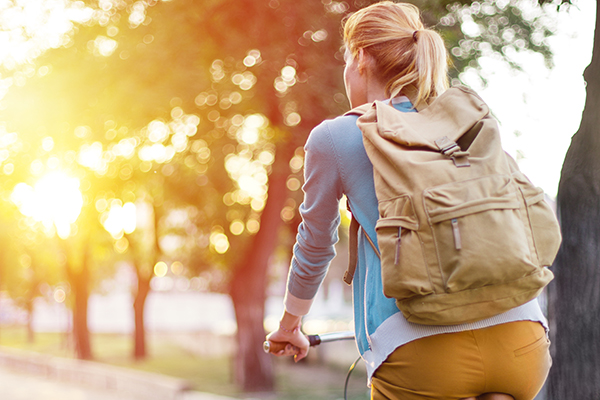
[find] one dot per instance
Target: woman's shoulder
(334, 132)
(341, 124)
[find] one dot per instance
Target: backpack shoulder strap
(352, 251)
(412, 93)
(360, 110)
(353, 248)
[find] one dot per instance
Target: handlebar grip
(275, 347)
(314, 340)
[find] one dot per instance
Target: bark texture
(575, 292)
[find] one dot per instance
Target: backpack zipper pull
(456, 232)
(397, 258)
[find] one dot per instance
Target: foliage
(499, 29)
(191, 99)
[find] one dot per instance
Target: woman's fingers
(283, 349)
(300, 355)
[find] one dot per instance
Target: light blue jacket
(336, 164)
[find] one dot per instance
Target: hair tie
(415, 36)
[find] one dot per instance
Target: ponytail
(405, 53)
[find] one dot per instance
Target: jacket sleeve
(317, 233)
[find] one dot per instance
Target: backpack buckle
(447, 147)
(451, 150)
(462, 160)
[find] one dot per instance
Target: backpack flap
(451, 115)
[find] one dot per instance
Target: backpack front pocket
(403, 269)
(479, 232)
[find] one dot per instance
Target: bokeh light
(177, 268)
(59, 295)
(219, 242)
(120, 218)
(237, 227)
(161, 269)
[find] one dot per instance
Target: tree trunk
(30, 332)
(575, 292)
(144, 275)
(81, 334)
(139, 304)
(29, 301)
(253, 369)
(79, 280)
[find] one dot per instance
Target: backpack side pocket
(543, 223)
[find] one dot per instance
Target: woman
(500, 358)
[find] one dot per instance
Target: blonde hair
(404, 52)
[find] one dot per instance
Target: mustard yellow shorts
(511, 358)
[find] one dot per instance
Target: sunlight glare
(120, 219)
(55, 200)
(249, 136)
(31, 27)
(249, 132)
(138, 14)
(103, 46)
(91, 156)
(158, 131)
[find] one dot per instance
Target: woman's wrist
(290, 323)
(292, 330)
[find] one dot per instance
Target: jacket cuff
(296, 306)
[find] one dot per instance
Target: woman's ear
(362, 61)
(365, 61)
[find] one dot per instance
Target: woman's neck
(375, 89)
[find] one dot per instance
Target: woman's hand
(289, 332)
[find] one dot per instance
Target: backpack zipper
(456, 232)
(397, 257)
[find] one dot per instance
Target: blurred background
(151, 158)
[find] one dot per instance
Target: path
(17, 386)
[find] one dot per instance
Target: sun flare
(55, 200)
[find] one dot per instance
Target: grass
(206, 371)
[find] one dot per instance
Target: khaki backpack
(463, 234)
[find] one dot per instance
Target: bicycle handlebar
(313, 340)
